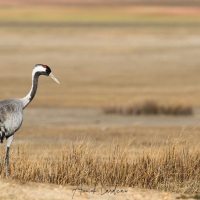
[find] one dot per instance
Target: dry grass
(170, 167)
(149, 108)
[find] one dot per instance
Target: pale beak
(54, 78)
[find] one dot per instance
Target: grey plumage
(11, 110)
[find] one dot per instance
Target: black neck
(34, 87)
(26, 100)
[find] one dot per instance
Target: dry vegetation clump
(172, 167)
(149, 108)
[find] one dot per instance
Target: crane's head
(41, 69)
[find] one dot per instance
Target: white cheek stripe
(38, 69)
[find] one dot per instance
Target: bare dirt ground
(96, 117)
(15, 190)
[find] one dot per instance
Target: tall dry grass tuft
(173, 167)
(149, 108)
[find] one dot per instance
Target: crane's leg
(9, 142)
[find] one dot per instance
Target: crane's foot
(7, 174)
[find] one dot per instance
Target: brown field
(71, 15)
(100, 2)
(102, 66)
(99, 67)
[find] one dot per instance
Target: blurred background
(105, 54)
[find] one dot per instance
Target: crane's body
(11, 117)
(11, 110)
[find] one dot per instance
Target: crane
(11, 110)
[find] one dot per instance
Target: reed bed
(172, 167)
(149, 108)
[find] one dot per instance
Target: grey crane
(11, 110)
